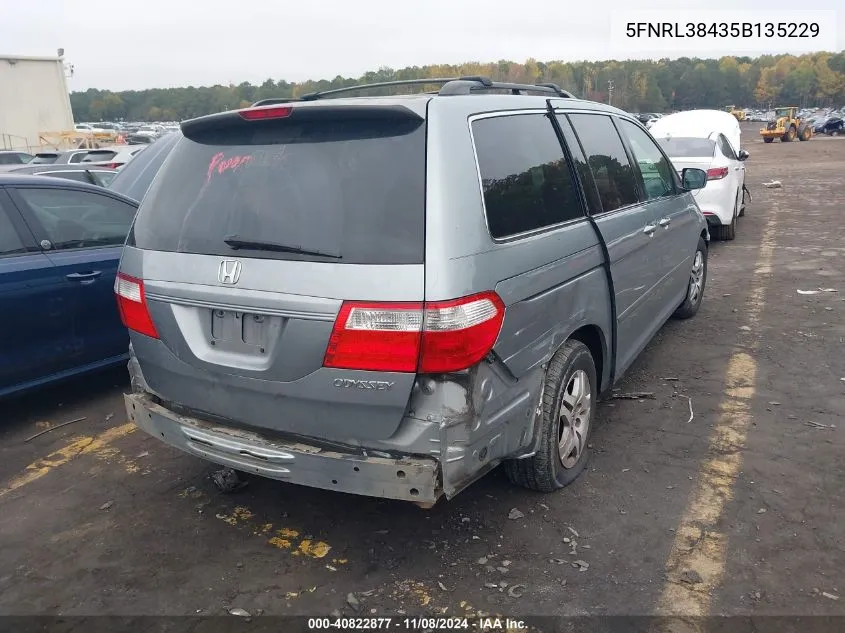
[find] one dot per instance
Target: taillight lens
(717, 173)
(132, 304)
(111, 165)
(431, 337)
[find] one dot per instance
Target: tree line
(637, 85)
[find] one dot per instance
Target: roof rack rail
(451, 86)
(467, 85)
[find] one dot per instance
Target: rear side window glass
(78, 176)
(612, 171)
(10, 241)
(77, 158)
(79, 219)
(346, 191)
(525, 177)
(581, 165)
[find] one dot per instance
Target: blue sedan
(60, 243)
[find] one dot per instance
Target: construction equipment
(786, 126)
(739, 114)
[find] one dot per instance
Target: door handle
(649, 229)
(84, 276)
(665, 222)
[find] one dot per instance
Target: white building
(34, 100)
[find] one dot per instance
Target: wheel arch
(595, 340)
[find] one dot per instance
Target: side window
(580, 165)
(725, 147)
(10, 241)
(525, 178)
(608, 161)
(78, 176)
(10, 159)
(79, 219)
(77, 158)
(103, 178)
(655, 169)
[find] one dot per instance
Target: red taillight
(717, 173)
(110, 165)
(431, 337)
(259, 114)
(132, 304)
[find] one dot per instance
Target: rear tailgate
(248, 243)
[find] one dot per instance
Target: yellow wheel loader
(787, 126)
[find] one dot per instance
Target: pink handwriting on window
(221, 164)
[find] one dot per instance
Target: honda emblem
(229, 271)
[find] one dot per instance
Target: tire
(806, 134)
(789, 135)
(694, 296)
(727, 232)
(768, 139)
(834, 133)
(571, 369)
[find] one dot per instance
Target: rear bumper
(409, 478)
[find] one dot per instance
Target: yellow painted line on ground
(696, 562)
(87, 445)
(279, 537)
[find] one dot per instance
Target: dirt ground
(736, 511)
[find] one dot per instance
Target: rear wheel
(727, 232)
(834, 133)
(568, 410)
(806, 133)
(696, 283)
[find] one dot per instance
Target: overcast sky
(136, 44)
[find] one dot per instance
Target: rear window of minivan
(352, 190)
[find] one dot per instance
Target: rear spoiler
(249, 117)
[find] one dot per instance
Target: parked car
(14, 157)
(60, 242)
(91, 174)
(709, 140)
(60, 157)
(832, 126)
(135, 178)
(106, 130)
(112, 158)
(390, 296)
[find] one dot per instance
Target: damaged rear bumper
(409, 478)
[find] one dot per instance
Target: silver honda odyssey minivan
(393, 295)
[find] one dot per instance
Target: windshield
(687, 147)
(781, 112)
(350, 189)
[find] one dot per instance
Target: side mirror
(743, 155)
(693, 178)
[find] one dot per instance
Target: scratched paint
(86, 445)
(699, 545)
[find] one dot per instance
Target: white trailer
(34, 100)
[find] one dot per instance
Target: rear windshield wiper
(235, 242)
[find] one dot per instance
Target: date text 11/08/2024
(417, 624)
(681, 30)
